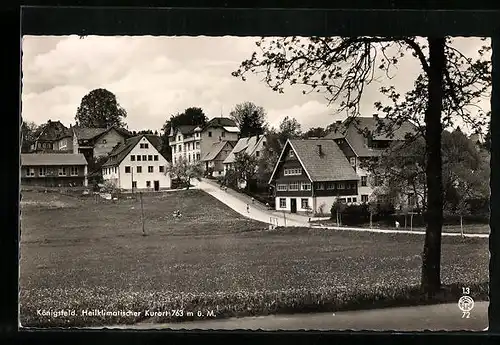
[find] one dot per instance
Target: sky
(155, 77)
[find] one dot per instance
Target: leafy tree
(29, 131)
(186, 171)
(289, 128)
(316, 132)
(338, 208)
(449, 84)
(193, 116)
(245, 167)
(145, 131)
(99, 108)
(250, 118)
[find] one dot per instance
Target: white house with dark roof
(365, 138)
(310, 175)
(214, 159)
(53, 169)
(137, 164)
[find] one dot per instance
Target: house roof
(216, 149)
(118, 153)
(351, 133)
(88, 133)
(247, 145)
(52, 131)
(221, 122)
(331, 165)
(28, 159)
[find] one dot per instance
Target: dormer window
(104, 141)
(291, 154)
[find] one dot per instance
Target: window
(282, 187)
(354, 199)
(364, 181)
(148, 184)
(62, 171)
(210, 134)
(304, 203)
(156, 157)
(263, 143)
(179, 138)
(257, 153)
(340, 185)
(161, 168)
(293, 171)
(127, 170)
(144, 158)
(132, 158)
(189, 158)
(30, 172)
(150, 169)
(320, 186)
(138, 158)
(291, 154)
(150, 157)
(352, 160)
(146, 145)
(294, 186)
(223, 134)
(197, 156)
(139, 169)
(174, 148)
(305, 186)
(364, 198)
(74, 171)
(104, 141)
(342, 200)
(330, 185)
(197, 145)
(349, 200)
(42, 171)
(134, 184)
(282, 202)
(141, 145)
(180, 148)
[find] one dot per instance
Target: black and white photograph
(274, 183)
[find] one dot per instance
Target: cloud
(155, 77)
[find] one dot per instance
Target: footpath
(238, 202)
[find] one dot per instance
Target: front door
(293, 205)
(157, 185)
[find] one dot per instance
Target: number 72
(466, 315)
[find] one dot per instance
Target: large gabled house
(362, 139)
(214, 159)
(310, 175)
(137, 164)
(53, 137)
(96, 142)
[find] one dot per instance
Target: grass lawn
(79, 255)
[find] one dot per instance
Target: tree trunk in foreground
(431, 258)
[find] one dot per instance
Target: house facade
(184, 142)
(195, 142)
(53, 170)
(52, 136)
(311, 175)
(363, 139)
(95, 142)
(137, 164)
(253, 146)
(214, 159)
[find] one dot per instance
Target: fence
(273, 223)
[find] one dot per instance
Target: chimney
(320, 151)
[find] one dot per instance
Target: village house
(137, 164)
(53, 169)
(311, 175)
(94, 142)
(53, 137)
(253, 146)
(363, 139)
(194, 142)
(214, 159)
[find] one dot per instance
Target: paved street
(238, 202)
(434, 317)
